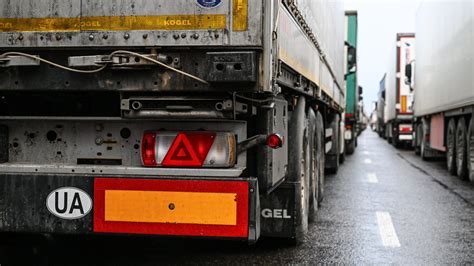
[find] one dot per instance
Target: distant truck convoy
(185, 118)
(352, 89)
(443, 79)
(398, 113)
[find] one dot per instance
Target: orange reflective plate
(171, 207)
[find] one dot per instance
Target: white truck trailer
(398, 113)
(444, 83)
(191, 118)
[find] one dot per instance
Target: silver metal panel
(31, 144)
(326, 20)
(71, 23)
(444, 71)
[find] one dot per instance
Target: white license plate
(405, 137)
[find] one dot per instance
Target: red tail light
(189, 149)
(274, 141)
(405, 129)
(349, 127)
(149, 148)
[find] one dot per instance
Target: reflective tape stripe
(240, 15)
(114, 23)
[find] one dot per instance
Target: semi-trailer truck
(352, 93)
(381, 107)
(398, 114)
(444, 84)
(191, 118)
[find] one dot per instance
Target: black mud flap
(278, 212)
(23, 204)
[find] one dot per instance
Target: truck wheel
(342, 158)
(451, 147)
(418, 138)
(461, 148)
(322, 156)
(470, 150)
(332, 157)
(315, 141)
(350, 147)
(424, 147)
(299, 169)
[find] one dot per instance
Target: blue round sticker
(209, 3)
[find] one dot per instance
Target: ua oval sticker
(69, 203)
(209, 3)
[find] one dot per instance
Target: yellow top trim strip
(114, 23)
(240, 14)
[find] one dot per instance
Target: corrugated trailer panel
(325, 19)
(444, 74)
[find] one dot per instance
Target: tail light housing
(189, 149)
(405, 128)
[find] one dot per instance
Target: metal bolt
(251, 190)
(171, 206)
(126, 36)
(20, 37)
(99, 127)
(105, 36)
(145, 36)
(216, 35)
(195, 36)
(10, 38)
(183, 35)
(99, 141)
(176, 36)
(91, 37)
(58, 37)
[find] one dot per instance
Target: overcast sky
(379, 22)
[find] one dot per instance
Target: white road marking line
(368, 161)
(387, 231)
(372, 178)
(366, 153)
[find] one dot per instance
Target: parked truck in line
(186, 118)
(444, 84)
(398, 114)
(352, 91)
(381, 107)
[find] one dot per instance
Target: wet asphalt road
(383, 206)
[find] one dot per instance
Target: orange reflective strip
(404, 104)
(114, 23)
(240, 15)
(171, 207)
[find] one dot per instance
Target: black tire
(418, 138)
(332, 165)
(350, 147)
(298, 169)
(424, 145)
(315, 141)
(342, 157)
(322, 161)
(461, 148)
(451, 146)
(470, 150)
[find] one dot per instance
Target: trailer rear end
(168, 118)
(398, 94)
